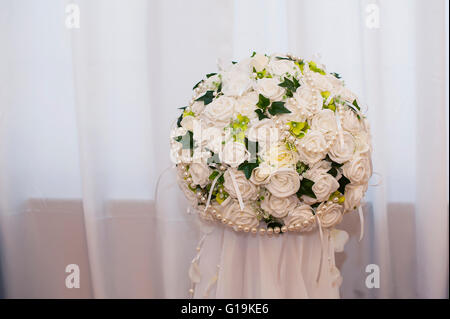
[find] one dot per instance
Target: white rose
(244, 219)
(300, 218)
(220, 111)
(233, 154)
(362, 142)
(236, 81)
(281, 67)
(260, 175)
(353, 195)
(312, 147)
(320, 81)
(246, 105)
(325, 122)
(345, 94)
(358, 170)
(248, 190)
(269, 88)
(278, 156)
(307, 100)
(264, 131)
(198, 107)
(284, 183)
(350, 122)
(329, 214)
(278, 207)
(341, 153)
(200, 174)
(324, 185)
(259, 62)
(211, 83)
(209, 137)
(188, 123)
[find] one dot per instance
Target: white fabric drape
(85, 114)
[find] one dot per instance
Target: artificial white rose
(284, 183)
(312, 147)
(245, 218)
(220, 111)
(208, 137)
(233, 154)
(200, 174)
(358, 170)
(248, 190)
(353, 195)
(264, 131)
(260, 175)
(246, 105)
(362, 142)
(279, 155)
(324, 185)
(259, 62)
(282, 67)
(269, 88)
(300, 218)
(319, 81)
(350, 122)
(307, 100)
(342, 152)
(198, 107)
(188, 123)
(236, 81)
(204, 214)
(278, 207)
(211, 83)
(325, 122)
(330, 214)
(345, 94)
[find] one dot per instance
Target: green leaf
(301, 167)
(290, 85)
(313, 67)
(355, 103)
(253, 148)
(343, 181)
(336, 75)
(180, 118)
(278, 108)
(207, 97)
(333, 171)
(210, 75)
(213, 175)
(283, 58)
(306, 188)
(186, 140)
(247, 168)
(263, 102)
(253, 54)
(261, 114)
(333, 164)
(214, 159)
(198, 83)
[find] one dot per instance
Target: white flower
(269, 88)
(188, 123)
(246, 105)
(325, 122)
(264, 131)
(211, 83)
(209, 137)
(233, 154)
(324, 183)
(308, 100)
(200, 174)
(350, 122)
(236, 81)
(345, 94)
(198, 107)
(319, 81)
(358, 170)
(281, 67)
(362, 142)
(330, 214)
(220, 111)
(260, 175)
(278, 207)
(259, 62)
(284, 183)
(301, 218)
(247, 189)
(342, 152)
(278, 156)
(312, 147)
(244, 218)
(353, 195)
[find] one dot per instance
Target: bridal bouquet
(272, 144)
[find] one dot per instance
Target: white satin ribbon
(340, 130)
(321, 247)
(236, 189)
(361, 221)
(211, 191)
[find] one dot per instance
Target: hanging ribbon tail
(236, 189)
(194, 269)
(211, 283)
(211, 191)
(361, 221)
(321, 248)
(159, 180)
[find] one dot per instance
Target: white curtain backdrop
(85, 115)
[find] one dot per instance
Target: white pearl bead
(239, 227)
(284, 229)
(219, 216)
(262, 231)
(269, 231)
(246, 229)
(254, 230)
(224, 220)
(276, 230)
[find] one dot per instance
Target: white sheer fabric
(84, 119)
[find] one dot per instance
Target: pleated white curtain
(85, 114)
